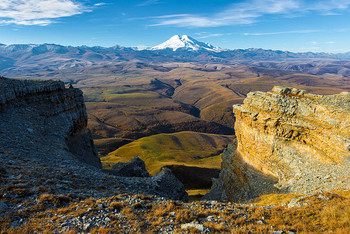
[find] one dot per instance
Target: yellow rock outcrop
(280, 132)
(302, 140)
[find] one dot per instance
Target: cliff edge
(40, 118)
(290, 141)
(46, 148)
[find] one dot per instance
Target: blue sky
(295, 25)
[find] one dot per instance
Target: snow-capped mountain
(185, 42)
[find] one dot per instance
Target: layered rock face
(44, 116)
(44, 140)
(238, 181)
(301, 141)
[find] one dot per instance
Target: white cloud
(212, 35)
(200, 33)
(328, 7)
(37, 12)
(205, 35)
(284, 32)
(100, 4)
(310, 49)
(330, 42)
(249, 11)
(149, 2)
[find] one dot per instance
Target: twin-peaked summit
(185, 42)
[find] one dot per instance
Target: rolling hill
(181, 148)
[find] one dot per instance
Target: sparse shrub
(240, 221)
(137, 205)
(100, 230)
(161, 211)
(116, 205)
(184, 216)
(21, 192)
(128, 212)
(56, 200)
(219, 227)
(157, 221)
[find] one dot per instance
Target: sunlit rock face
(285, 131)
(299, 140)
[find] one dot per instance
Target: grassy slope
(182, 148)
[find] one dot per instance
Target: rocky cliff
(45, 148)
(44, 116)
(297, 141)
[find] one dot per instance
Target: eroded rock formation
(44, 140)
(299, 140)
(45, 116)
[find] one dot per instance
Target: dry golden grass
(56, 200)
(275, 199)
(116, 205)
(216, 227)
(320, 215)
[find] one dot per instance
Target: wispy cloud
(212, 35)
(149, 2)
(100, 4)
(249, 11)
(284, 32)
(37, 12)
(330, 7)
(205, 35)
(310, 49)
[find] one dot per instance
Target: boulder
(166, 183)
(134, 168)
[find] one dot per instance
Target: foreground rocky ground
(66, 196)
(127, 213)
(36, 197)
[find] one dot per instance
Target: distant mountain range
(28, 58)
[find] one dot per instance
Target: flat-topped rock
(296, 138)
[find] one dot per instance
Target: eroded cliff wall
(44, 118)
(44, 140)
(301, 140)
